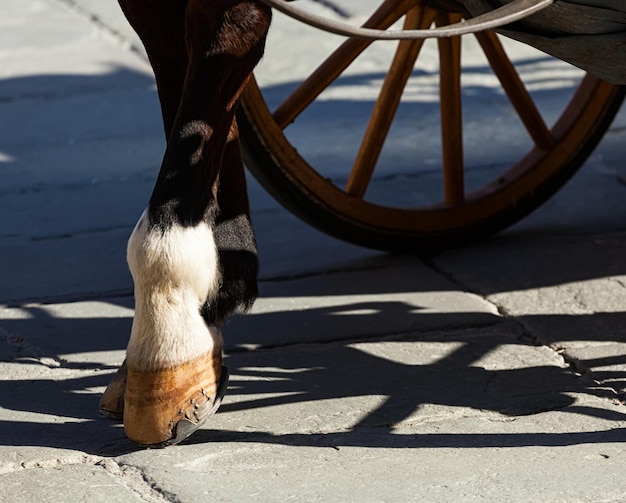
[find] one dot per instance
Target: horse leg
(174, 356)
(234, 234)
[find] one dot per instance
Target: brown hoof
(112, 401)
(164, 407)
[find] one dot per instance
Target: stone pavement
(489, 373)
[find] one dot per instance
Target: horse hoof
(164, 407)
(112, 401)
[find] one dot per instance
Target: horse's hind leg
(174, 356)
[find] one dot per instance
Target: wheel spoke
(333, 66)
(387, 103)
(515, 89)
(451, 115)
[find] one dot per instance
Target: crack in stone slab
(137, 481)
(103, 26)
(77, 459)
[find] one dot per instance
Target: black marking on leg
(239, 267)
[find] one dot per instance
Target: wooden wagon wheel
(347, 206)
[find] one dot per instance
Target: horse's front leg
(174, 357)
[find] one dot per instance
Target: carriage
(447, 202)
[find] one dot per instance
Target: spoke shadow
(399, 396)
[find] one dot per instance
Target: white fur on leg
(175, 271)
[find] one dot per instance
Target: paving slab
(398, 296)
(65, 483)
(570, 295)
(432, 466)
(73, 267)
